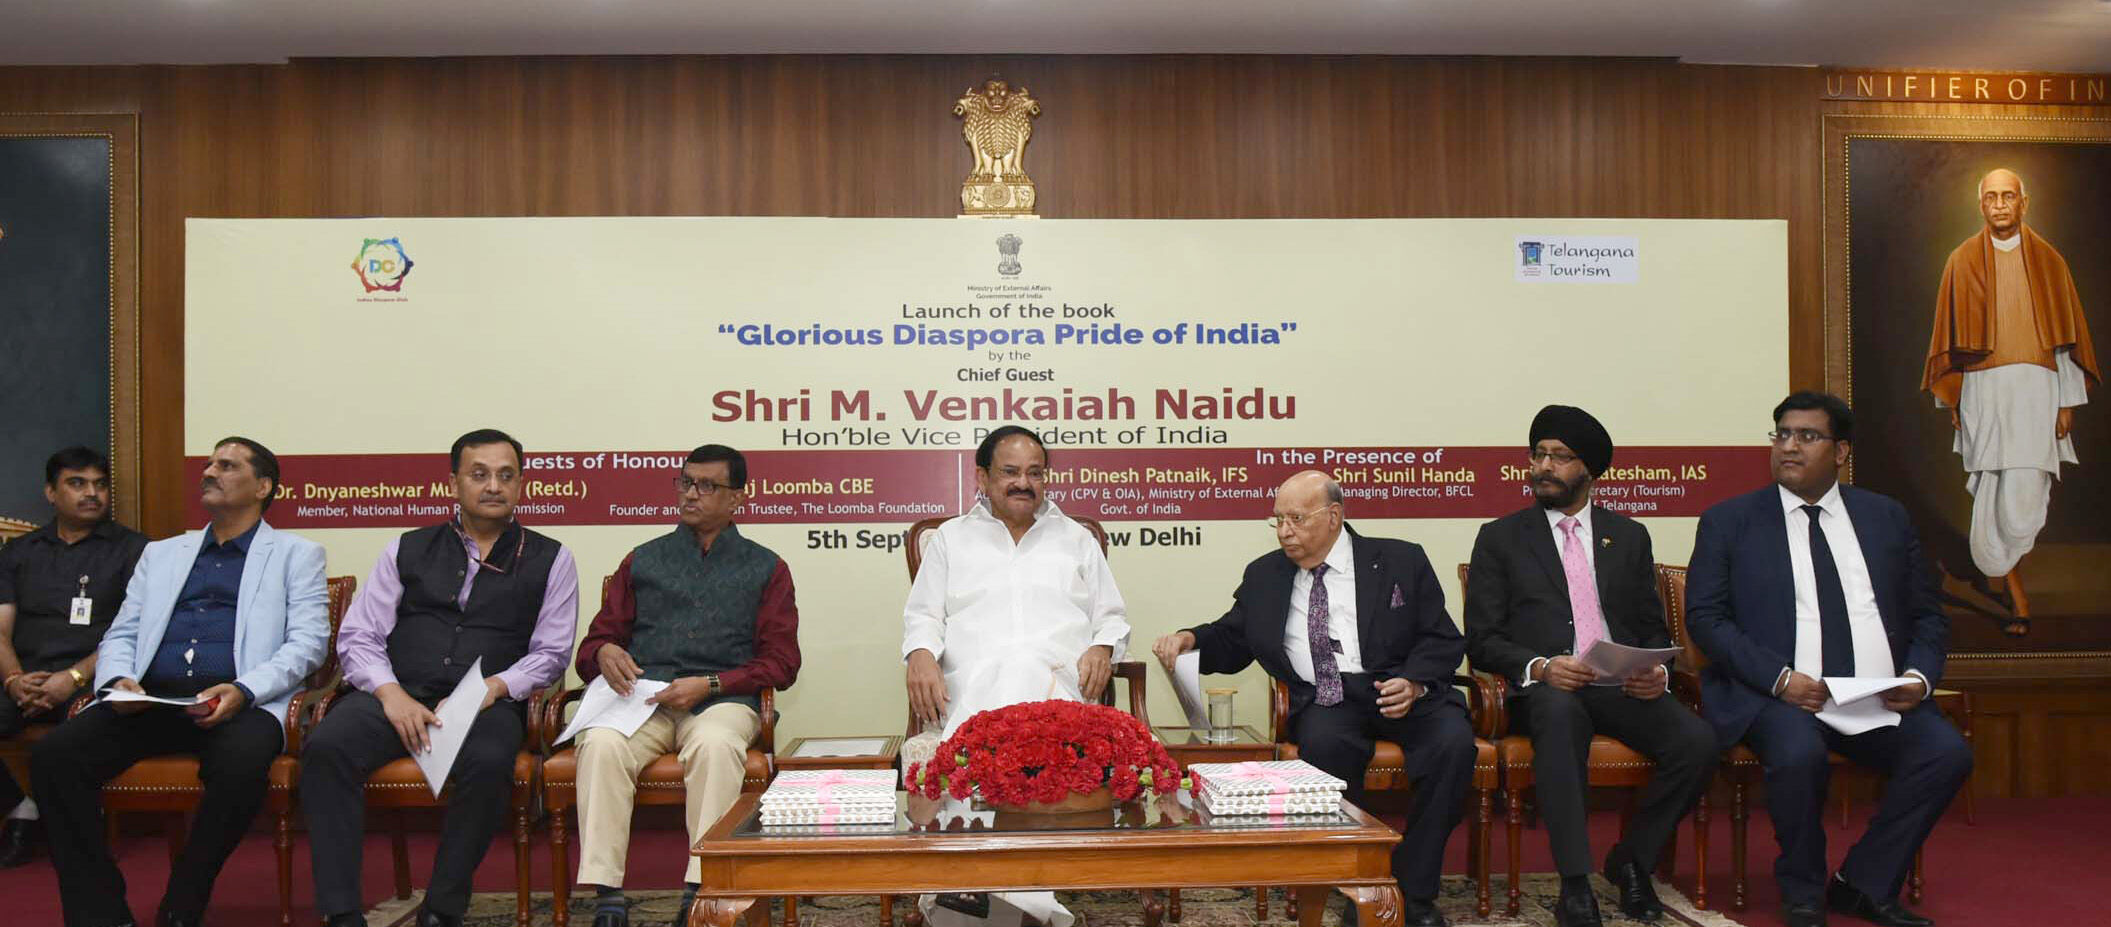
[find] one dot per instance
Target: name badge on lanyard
(83, 606)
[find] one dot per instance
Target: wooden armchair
(400, 786)
(660, 783)
(1611, 764)
(169, 784)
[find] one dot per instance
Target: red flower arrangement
(1039, 752)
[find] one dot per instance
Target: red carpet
(2025, 862)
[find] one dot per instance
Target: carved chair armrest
(1138, 676)
(1496, 690)
(766, 739)
(546, 715)
(1485, 704)
(1278, 712)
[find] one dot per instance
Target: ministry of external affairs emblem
(1008, 254)
(382, 265)
(1530, 254)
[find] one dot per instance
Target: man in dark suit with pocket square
(1804, 581)
(1356, 628)
(1545, 584)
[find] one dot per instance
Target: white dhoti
(2006, 419)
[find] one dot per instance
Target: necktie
(1832, 602)
(1326, 675)
(1583, 589)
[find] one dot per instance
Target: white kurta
(1008, 622)
(2006, 440)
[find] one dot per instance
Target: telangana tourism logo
(382, 265)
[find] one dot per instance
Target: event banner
(1178, 371)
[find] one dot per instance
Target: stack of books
(1272, 788)
(829, 796)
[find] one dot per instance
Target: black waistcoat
(436, 640)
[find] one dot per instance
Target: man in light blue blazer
(234, 616)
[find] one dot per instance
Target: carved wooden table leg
(886, 912)
(1309, 904)
(1153, 907)
(1260, 902)
(1172, 906)
(1376, 905)
(719, 912)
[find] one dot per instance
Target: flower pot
(1099, 799)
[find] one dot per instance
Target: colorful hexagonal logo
(382, 265)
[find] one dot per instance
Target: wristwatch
(716, 687)
(79, 681)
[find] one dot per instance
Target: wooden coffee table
(1146, 847)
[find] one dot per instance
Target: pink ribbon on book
(1279, 780)
(824, 793)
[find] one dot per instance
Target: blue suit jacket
(282, 625)
(1741, 598)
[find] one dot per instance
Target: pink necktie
(1583, 589)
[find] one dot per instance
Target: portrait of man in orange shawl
(2010, 357)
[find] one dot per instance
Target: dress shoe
(1638, 894)
(351, 919)
(1348, 914)
(1421, 914)
(429, 918)
(612, 918)
(972, 904)
(18, 841)
(1577, 909)
(1854, 902)
(1803, 915)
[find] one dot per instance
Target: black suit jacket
(1741, 598)
(1517, 595)
(1413, 639)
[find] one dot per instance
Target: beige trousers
(713, 746)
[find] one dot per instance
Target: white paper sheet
(1851, 710)
(602, 707)
(126, 695)
(1614, 662)
(1186, 677)
(457, 713)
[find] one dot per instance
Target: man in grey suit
(235, 616)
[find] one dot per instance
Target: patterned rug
(1218, 907)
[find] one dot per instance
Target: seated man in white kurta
(1014, 603)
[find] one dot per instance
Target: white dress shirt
(1341, 613)
(1008, 620)
(1872, 649)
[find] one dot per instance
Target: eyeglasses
(1797, 436)
(1563, 458)
(1297, 519)
(683, 485)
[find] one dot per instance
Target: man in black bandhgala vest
(479, 586)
